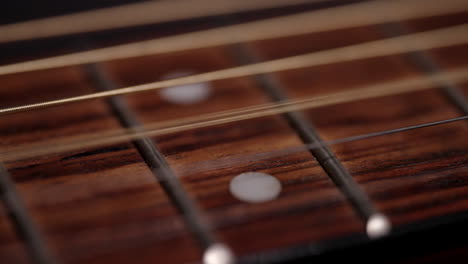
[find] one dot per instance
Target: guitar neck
(345, 141)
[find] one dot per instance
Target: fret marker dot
(185, 94)
(255, 187)
(218, 254)
(378, 226)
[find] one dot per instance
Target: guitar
(223, 132)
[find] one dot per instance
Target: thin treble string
(138, 14)
(206, 165)
(418, 41)
(360, 14)
(163, 128)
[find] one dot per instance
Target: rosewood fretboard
(166, 199)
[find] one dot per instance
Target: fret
(426, 63)
(20, 217)
(409, 176)
(419, 172)
(310, 135)
(155, 160)
(104, 198)
(308, 203)
(313, 183)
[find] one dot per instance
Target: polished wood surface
(104, 205)
(412, 175)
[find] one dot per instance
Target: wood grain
(103, 205)
(90, 203)
(305, 185)
(410, 176)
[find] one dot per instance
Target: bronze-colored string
(360, 14)
(419, 41)
(211, 119)
(128, 15)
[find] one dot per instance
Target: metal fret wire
(25, 227)
(445, 120)
(307, 132)
(426, 63)
(156, 161)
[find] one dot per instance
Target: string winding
(348, 16)
(224, 117)
(413, 42)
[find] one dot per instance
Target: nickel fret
(409, 188)
(214, 250)
(376, 223)
(424, 61)
(25, 226)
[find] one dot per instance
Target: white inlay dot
(255, 187)
(377, 226)
(185, 94)
(218, 254)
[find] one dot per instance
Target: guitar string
(434, 123)
(183, 170)
(206, 165)
(172, 126)
(353, 15)
(418, 41)
(129, 15)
